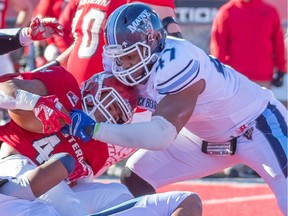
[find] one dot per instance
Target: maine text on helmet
(144, 15)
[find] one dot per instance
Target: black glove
(278, 79)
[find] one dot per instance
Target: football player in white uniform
(190, 93)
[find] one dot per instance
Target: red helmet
(102, 90)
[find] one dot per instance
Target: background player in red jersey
(87, 29)
(63, 43)
(15, 38)
(45, 50)
(24, 10)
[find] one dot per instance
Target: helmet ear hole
(150, 37)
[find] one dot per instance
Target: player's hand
(82, 170)
(44, 28)
(48, 111)
(278, 79)
(82, 125)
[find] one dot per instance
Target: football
(28, 121)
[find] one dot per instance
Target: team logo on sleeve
(73, 98)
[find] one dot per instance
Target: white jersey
(229, 101)
(19, 207)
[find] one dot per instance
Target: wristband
(25, 100)
(24, 39)
(96, 128)
(66, 159)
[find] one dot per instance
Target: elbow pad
(154, 135)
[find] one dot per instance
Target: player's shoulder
(177, 66)
(57, 73)
(176, 53)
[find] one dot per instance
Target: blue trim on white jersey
(118, 208)
(179, 81)
(277, 137)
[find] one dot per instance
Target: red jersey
(49, 8)
(65, 20)
(88, 27)
(248, 36)
(39, 147)
(3, 10)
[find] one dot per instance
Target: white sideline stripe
(238, 199)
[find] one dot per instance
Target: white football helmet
(101, 91)
(134, 27)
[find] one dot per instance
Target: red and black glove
(48, 111)
(44, 28)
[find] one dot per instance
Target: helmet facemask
(139, 72)
(133, 28)
(100, 100)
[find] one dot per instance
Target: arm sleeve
(156, 134)
(9, 40)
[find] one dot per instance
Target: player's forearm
(24, 100)
(12, 39)
(12, 97)
(154, 135)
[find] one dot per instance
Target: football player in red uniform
(88, 29)
(23, 149)
(35, 148)
(24, 9)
